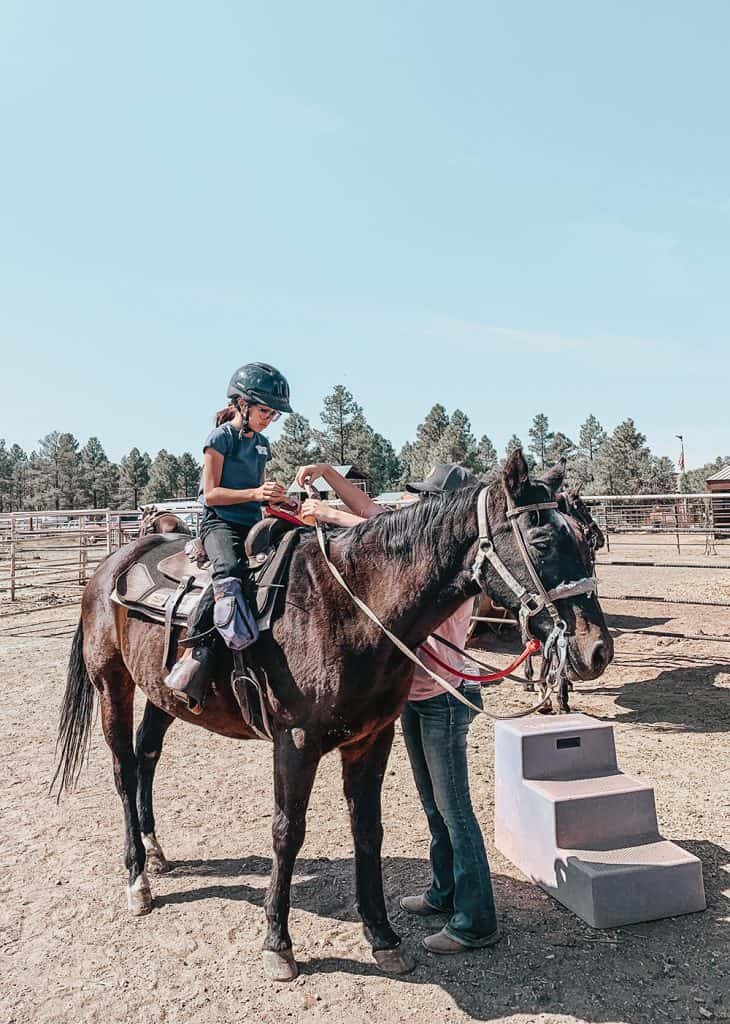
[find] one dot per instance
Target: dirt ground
(70, 952)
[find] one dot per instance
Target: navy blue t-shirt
(244, 466)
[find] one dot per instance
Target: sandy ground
(69, 951)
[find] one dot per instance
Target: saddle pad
(149, 584)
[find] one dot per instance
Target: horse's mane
(413, 532)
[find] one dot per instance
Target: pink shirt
(454, 629)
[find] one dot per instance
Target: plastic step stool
(581, 829)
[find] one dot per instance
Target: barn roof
(722, 474)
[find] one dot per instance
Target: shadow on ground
(549, 961)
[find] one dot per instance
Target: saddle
(167, 582)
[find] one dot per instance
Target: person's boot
(192, 676)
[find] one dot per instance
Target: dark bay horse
(334, 680)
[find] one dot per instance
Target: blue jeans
(435, 736)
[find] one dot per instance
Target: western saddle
(166, 583)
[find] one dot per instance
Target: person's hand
(311, 472)
(271, 493)
(316, 509)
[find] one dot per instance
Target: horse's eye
(541, 540)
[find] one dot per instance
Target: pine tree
(406, 461)
(591, 437)
(295, 447)
(623, 464)
(112, 486)
(6, 478)
(135, 475)
(457, 443)
(190, 471)
(20, 485)
(164, 479)
(428, 435)
(345, 437)
(662, 476)
(487, 458)
(383, 465)
(94, 473)
(56, 471)
(540, 438)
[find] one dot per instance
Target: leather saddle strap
(170, 608)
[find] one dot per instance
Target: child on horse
(233, 488)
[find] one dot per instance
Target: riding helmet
(262, 383)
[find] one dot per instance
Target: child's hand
(271, 493)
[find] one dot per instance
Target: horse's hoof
(139, 896)
(157, 865)
(155, 860)
(394, 961)
(546, 710)
(280, 966)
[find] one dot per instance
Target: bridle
(531, 602)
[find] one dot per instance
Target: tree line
(61, 473)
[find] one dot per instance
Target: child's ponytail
(235, 405)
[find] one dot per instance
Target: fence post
(12, 556)
(108, 531)
(676, 524)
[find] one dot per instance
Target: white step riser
(587, 834)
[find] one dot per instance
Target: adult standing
(435, 727)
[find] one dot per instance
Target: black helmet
(262, 383)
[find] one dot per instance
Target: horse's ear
(515, 474)
(555, 476)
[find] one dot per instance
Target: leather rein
(532, 602)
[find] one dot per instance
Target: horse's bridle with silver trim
(535, 601)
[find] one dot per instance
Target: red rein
(533, 646)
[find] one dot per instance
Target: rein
(530, 604)
(533, 646)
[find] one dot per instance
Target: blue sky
(507, 208)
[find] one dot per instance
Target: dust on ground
(69, 951)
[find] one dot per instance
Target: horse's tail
(74, 727)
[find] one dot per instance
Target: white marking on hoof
(139, 896)
(394, 961)
(156, 860)
(280, 966)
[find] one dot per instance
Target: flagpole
(681, 462)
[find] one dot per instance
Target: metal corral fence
(59, 550)
(694, 520)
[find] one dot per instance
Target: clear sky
(509, 208)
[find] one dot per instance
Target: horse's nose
(600, 656)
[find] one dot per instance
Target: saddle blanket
(166, 583)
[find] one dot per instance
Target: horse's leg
(117, 712)
(148, 747)
(295, 765)
(363, 769)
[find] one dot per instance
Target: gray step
(599, 810)
(585, 832)
(644, 882)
